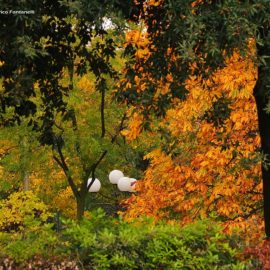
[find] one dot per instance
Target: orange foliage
(135, 126)
(211, 165)
(139, 39)
(66, 203)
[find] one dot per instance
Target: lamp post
(116, 177)
(126, 184)
(95, 187)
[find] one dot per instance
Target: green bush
(104, 243)
(24, 231)
(22, 246)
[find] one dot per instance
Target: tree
(206, 162)
(195, 38)
(36, 52)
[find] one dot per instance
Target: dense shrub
(259, 255)
(102, 243)
(19, 209)
(24, 231)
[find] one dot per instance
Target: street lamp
(132, 184)
(115, 175)
(123, 183)
(95, 186)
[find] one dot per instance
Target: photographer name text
(17, 12)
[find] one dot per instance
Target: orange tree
(195, 38)
(207, 159)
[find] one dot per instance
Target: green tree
(36, 52)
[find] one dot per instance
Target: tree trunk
(261, 94)
(26, 182)
(80, 207)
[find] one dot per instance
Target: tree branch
(246, 216)
(62, 163)
(77, 141)
(120, 128)
(93, 168)
(58, 126)
(71, 74)
(91, 171)
(102, 116)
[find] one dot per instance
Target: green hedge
(103, 243)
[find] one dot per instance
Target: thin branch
(246, 216)
(102, 115)
(255, 192)
(62, 163)
(120, 128)
(102, 203)
(58, 126)
(75, 130)
(77, 141)
(91, 171)
(73, 115)
(7, 152)
(71, 74)
(104, 196)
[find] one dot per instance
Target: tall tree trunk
(80, 207)
(261, 94)
(26, 182)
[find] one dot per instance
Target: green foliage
(36, 239)
(219, 112)
(101, 242)
(104, 243)
(23, 228)
(20, 156)
(20, 209)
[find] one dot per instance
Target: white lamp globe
(115, 175)
(95, 186)
(124, 184)
(132, 184)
